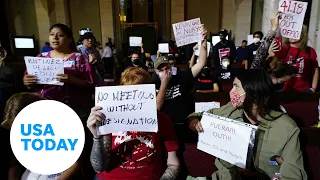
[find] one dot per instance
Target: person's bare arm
(202, 60)
(173, 168)
(100, 153)
(161, 96)
(315, 80)
(191, 61)
(70, 172)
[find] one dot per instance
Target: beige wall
(243, 21)
(85, 13)
(257, 15)
(208, 12)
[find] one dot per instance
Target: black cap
(86, 33)
(223, 32)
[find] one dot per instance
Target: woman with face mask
(277, 133)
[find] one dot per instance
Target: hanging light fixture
(122, 15)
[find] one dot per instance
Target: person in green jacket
(277, 134)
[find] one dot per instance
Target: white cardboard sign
(187, 32)
(292, 18)
(135, 41)
(45, 69)
(127, 108)
(163, 47)
(216, 39)
(250, 39)
(197, 52)
(226, 139)
(205, 106)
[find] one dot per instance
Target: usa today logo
(47, 137)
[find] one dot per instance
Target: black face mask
(206, 71)
(136, 61)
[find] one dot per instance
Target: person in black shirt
(223, 48)
(252, 48)
(174, 91)
(206, 81)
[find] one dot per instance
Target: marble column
(270, 6)
(243, 21)
(106, 18)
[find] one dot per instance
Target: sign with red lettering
(227, 139)
(187, 32)
(292, 17)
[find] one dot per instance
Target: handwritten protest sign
(205, 106)
(45, 69)
(292, 18)
(227, 139)
(127, 108)
(187, 32)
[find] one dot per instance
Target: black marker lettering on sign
(129, 121)
(132, 95)
(102, 97)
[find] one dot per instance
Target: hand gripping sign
(227, 139)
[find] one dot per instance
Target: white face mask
(256, 40)
(160, 74)
(225, 64)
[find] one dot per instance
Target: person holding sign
(134, 155)
(304, 60)
(78, 77)
(173, 88)
(277, 133)
(206, 81)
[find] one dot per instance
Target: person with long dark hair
(277, 133)
(78, 78)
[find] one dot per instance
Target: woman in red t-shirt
(304, 60)
(134, 155)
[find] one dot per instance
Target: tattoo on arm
(100, 153)
(171, 173)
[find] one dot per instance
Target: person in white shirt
(107, 52)
(107, 58)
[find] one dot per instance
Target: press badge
(174, 70)
(68, 64)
